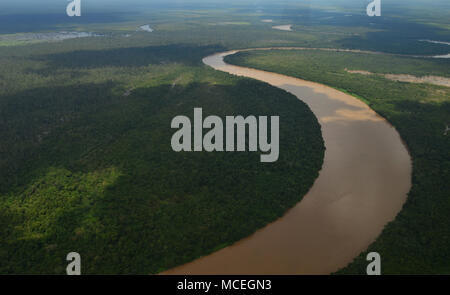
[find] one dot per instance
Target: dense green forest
(86, 163)
(85, 157)
(418, 241)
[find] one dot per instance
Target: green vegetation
(238, 24)
(86, 163)
(418, 241)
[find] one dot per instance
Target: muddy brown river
(362, 186)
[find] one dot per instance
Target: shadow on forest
(411, 116)
(107, 184)
(131, 57)
(24, 23)
(28, 118)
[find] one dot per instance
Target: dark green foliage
(84, 158)
(130, 57)
(86, 167)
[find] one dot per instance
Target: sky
(54, 6)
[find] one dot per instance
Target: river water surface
(362, 186)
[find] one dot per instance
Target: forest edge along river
(363, 184)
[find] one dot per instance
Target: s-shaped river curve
(362, 186)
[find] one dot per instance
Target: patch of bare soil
(435, 80)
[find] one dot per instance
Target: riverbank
(362, 186)
(417, 241)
